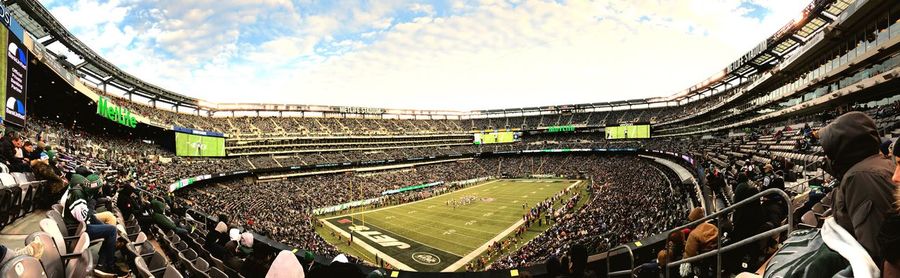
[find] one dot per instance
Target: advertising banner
(16, 81)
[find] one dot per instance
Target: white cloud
(487, 54)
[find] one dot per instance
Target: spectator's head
(768, 168)
(742, 177)
(16, 139)
(848, 140)
(234, 235)
(553, 266)
(83, 170)
(221, 227)
(886, 148)
(661, 258)
(28, 146)
(246, 243)
(579, 256)
(285, 265)
(340, 258)
(695, 214)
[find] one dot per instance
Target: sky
(449, 54)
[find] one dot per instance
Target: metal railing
(630, 258)
(719, 249)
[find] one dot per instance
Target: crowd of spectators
(629, 199)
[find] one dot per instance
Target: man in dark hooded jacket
(864, 196)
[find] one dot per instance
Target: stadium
(781, 164)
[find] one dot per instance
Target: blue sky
(452, 54)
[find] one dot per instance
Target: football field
(434, 235)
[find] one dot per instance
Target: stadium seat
(23, 267)
(187, 258)
(140, 250)
(80, 263)
(180, 246)
(151, 266)
(171, 272)
(14, 200)
(57, 207)
(199, 268)
(216, 262)
(5, 205)
(232, 273)
(50, 260)
(77, 263)
(216, 273)
(140, 239)
(818, 209)
(809, 220)
(29, 188)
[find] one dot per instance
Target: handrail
(630, 257)
(719, 249)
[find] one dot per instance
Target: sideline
(410, 203)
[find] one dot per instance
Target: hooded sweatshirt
(159, 218)
(863, 198)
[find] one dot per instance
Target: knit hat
(78, 179)
(246, 239)
(703, 238)
(221, 227)
(234, 234)
(661, 257)
(94, 180)
(308, 257)
(378, 273)
(340, 258)
(285, 265)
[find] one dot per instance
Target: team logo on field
(344, 221)
(426, 258)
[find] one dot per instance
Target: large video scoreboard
(628, 131)
(497, 137)
(198, 145)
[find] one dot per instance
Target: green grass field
(430, 235)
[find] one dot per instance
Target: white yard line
(464, 260)
(410, 203)
(367, 247)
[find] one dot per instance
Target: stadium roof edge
(37, 16)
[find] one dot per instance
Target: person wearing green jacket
(163, 221)
(79, 206)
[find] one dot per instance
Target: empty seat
(77, 263)
(216, 262)
(152, 266)
(199, 268)
(216, 273)
(13, 201)
(23, 267)
(171, 272)
(809, 220)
